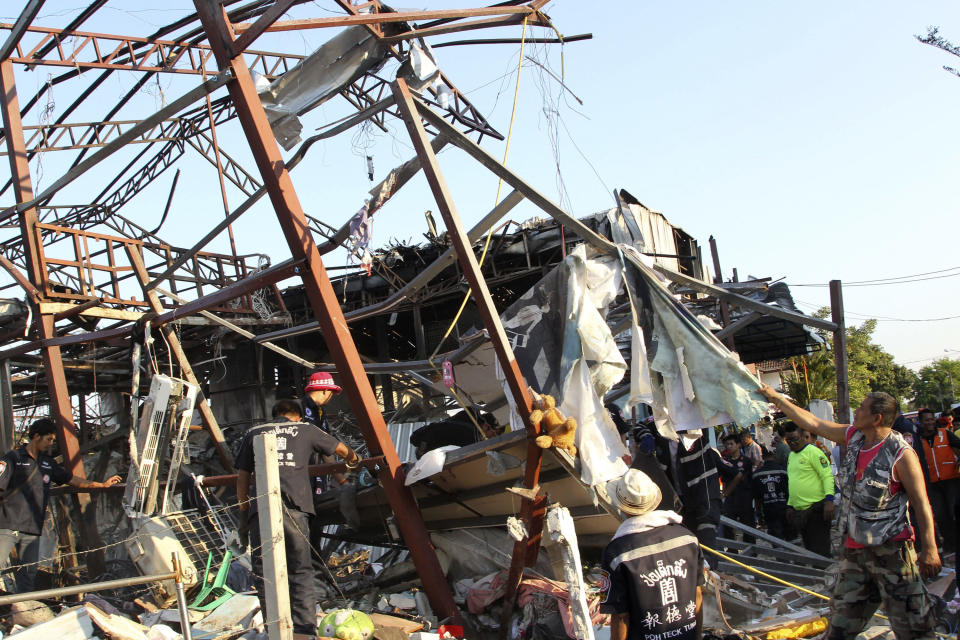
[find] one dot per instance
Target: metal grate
(198, 536)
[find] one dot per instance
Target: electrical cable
(916, 277)
(876, 317)
(486, 246)
(790, 584)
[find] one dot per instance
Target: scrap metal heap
(94, 296)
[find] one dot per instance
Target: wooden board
(383, 620)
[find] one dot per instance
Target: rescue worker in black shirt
(771, 486)
(25, 477)
(653, 566)
(296, 442)
(319, 391)
(737, 476)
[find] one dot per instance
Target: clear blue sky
(813, 140)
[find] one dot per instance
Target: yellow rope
(790, 584)
(486, 246)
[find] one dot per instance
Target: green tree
(869, 368)
(814, 377)
(936, 384)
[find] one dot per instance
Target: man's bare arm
(804, 419)
(243, 489)
(911, 477)
(83, 483)
(348, 454)
(619, 624)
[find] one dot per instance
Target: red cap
(322, 381)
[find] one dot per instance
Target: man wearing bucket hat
(319, 390)
(653, 565)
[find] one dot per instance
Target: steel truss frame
(227, 62)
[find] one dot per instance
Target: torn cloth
(564, 348)
(695, 381)
(491, 588)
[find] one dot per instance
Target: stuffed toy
(346, 624)
(558, 431)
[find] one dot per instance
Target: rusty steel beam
(325, 304)
(107, 51)
(471, 25)
(256, 29)
(532, 511)
(16, 32)
(69, 136)
(61, 409)
(145, 125)
(386, 17)
(20, 279)
(282, 271)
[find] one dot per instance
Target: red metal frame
(532, 511)
(324, 301)
(108, 51)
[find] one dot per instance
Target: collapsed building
(154, 359)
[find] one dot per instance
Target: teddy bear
(558, 431)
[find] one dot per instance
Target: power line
(916, 277)
(876, 317)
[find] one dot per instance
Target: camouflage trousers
(884, 574)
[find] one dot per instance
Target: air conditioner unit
(160, 441)
(157, 451)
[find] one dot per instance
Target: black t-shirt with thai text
(771, 484)
(297, 442)
(653, 575)
(25, 489)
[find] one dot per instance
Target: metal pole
(61, 409)
(840, 352)
(8, 437)
(532, 510)
(185, 630)
(85, 588)
(718, 279)
(173, 342)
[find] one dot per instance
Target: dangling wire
(486, 245)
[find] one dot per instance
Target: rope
(486, 245)
(792, 585)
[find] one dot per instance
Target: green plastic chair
(213, 594)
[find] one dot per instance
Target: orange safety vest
(941, 461)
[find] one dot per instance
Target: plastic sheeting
(565, 349)
(695, 381)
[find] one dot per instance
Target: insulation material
(320, 76)
(561, 534)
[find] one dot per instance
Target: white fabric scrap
(430, 464)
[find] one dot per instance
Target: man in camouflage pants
(879, 477)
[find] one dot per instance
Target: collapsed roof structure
(96, 286)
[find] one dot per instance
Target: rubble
(420, 546)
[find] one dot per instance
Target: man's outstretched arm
(804, 419)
